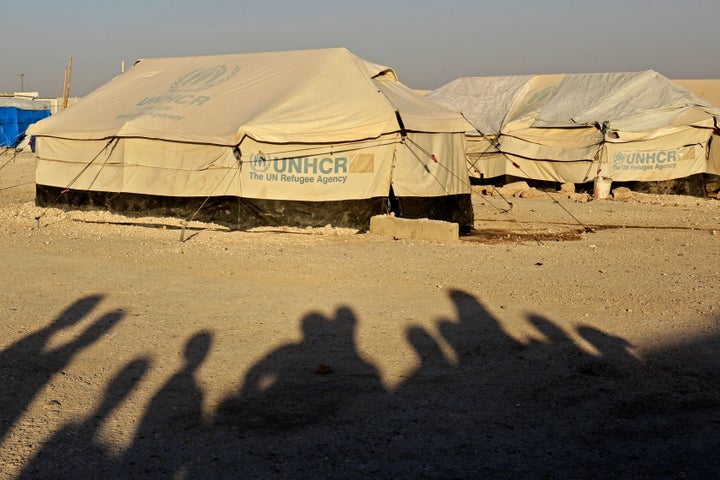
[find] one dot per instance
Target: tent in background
(635, 126)
(709, 90)
(706, 88)
(299, 138)
(16, 115)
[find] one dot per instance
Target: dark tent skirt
(246, 213)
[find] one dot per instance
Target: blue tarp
(16, 117)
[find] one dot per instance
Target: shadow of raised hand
(27, 365)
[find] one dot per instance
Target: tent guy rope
(67, 187)
(495, 143)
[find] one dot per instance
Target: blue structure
(16, 114)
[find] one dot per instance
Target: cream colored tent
(636, 126)
(706, 88)
(286, 138)
(709, 90)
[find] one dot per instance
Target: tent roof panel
(483, 101)
(632, 101)
(326, 94)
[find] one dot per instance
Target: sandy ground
(529, 350)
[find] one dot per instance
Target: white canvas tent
(284, 138)
(636, 126)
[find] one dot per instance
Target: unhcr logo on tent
(299, 170)
(659, 160)
(183, 90)
(203, 78)
(259, 163)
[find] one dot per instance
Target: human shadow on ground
(549, 406)
(27, 365)
(173, 423)
(84, 455)
(303, 383)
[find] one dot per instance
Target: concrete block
(422, 229)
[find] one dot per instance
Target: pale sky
(428, 43)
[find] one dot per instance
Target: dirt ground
(564, 339)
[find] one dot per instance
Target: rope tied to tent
(83, 170)
(238, 158)
(427, 169)
(496, 144)
(11, 159)
(433, 158)
(586, 228)
(423, 149)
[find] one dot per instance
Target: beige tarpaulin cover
(709, 90)
(300, 125)
(573, 127)
(706, 88)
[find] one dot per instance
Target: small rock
(567, 188)
(579, 197)
(515, 188)
(530, 193)
(622, 193)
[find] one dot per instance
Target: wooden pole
(66, 88)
